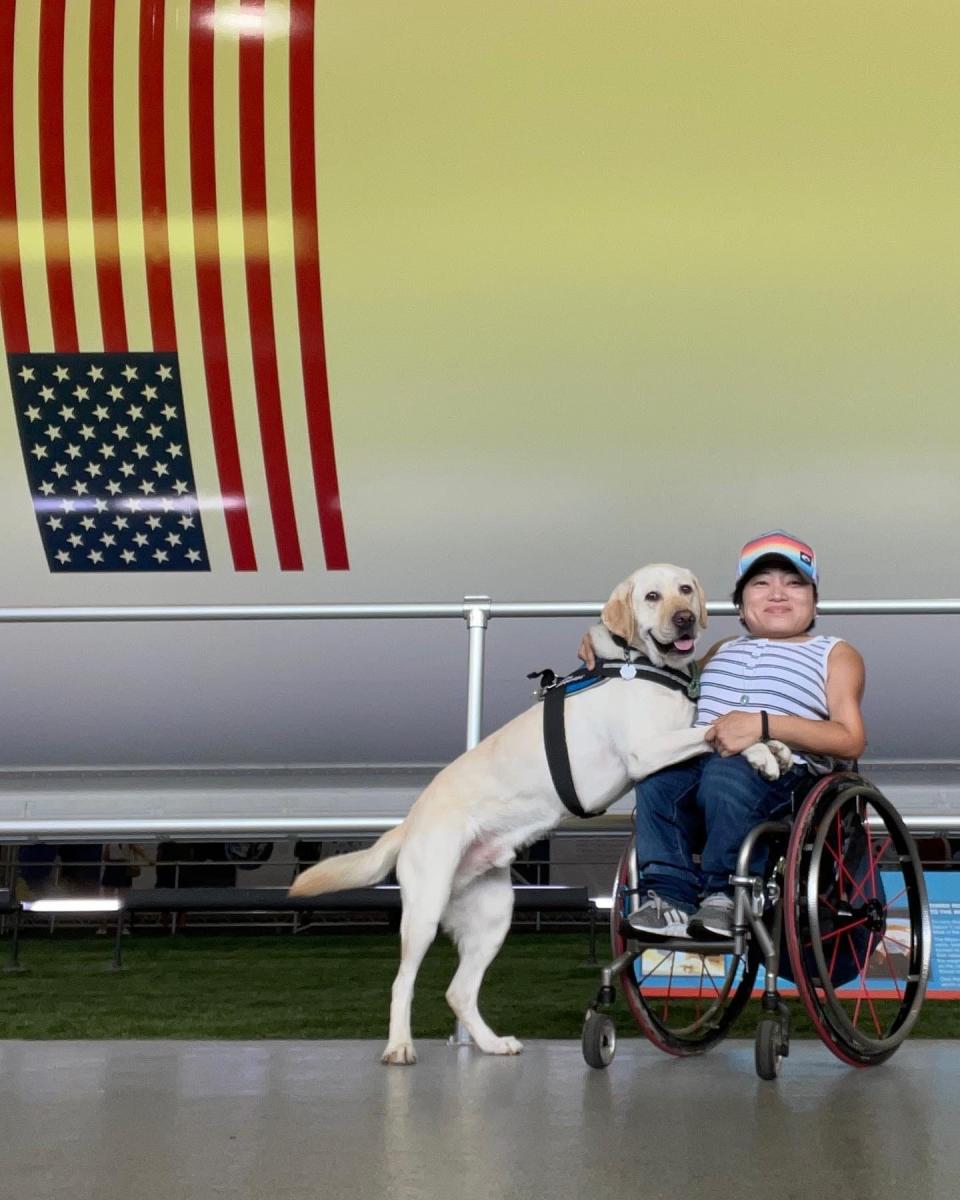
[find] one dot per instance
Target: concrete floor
(278, 1120)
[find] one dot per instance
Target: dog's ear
(702, 598)
(618, 614)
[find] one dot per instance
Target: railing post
(476, 612)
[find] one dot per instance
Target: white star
(166, 504)
(133, 504)
(95, 556)
(61, 373)
(55, 522)
(135, 412)
(67, 413)
(47, 393)
(169, 411)
(174, 450)
(160, 555)
(114, 488)
(193, 555)
(186, 521)
(154, 431)
(120, 432)
(75, 540)
(47, 488)
(86, 432)
(80, 488)
(63, 556)
(149, 392)
(127, 469)
(108, 539)
(33, 414)
(100, 505)
(81, 393)
(106, 450)
(68, 505)
(59, 469)
(129, 373)
(128, 557)
(160, 468)
(154, 522)
(92, 469)
(26, 373)
(73, 451)
(140, 450)
(180, 487)
(173, 539)
(165, 372)
(101, 413)
(141, 539)
(120, 522)
(95, 373)
(40, 451)
(88, 523)
(52, 432)
(115, 392)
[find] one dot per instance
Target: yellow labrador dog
(453, 851)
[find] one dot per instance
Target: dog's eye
(652, 597)
(686, 589)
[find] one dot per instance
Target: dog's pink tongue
(683, 645)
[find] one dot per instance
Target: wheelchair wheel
(683, 1001)
(856, 919)
(598, 1040)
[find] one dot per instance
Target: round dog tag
(628, 671)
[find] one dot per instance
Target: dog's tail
(359, 869)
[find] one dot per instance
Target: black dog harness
(554, 689)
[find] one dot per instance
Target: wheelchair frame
(809, 901)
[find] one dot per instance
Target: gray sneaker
(714, 917)
(659, 917)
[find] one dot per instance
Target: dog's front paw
(763, 760)
(504, 1045)
(400, 1055)
(782, 753)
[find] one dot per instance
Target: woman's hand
(734, 732)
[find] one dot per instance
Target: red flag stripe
(53, 184)
(253, 185)
(153, 177)
(12, 309)
(309, 302)
(103, 182)
(210, 286)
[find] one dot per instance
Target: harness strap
(558, 758)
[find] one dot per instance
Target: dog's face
(660, 610)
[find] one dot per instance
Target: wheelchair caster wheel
(599, 1040)
(770, 1048)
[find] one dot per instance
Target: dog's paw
(504, 1045)
(763, 760)
(782, 753)
(400, 1055)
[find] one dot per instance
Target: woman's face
(777, 603)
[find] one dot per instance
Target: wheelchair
(840, 913)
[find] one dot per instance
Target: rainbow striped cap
(781, 545)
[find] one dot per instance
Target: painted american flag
(158, 213)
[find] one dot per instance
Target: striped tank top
(785, 678)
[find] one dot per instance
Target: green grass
(325, 986)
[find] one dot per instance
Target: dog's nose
(683, 618)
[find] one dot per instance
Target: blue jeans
(709, 802)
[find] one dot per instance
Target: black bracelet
(764, 726)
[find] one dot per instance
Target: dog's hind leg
(477, 918)
(425, 894)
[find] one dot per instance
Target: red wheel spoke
(858, 891)
(842, 868)
(846, 929)
(893, 976)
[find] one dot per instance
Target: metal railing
(476, 611)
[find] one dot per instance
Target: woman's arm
(842, 735)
